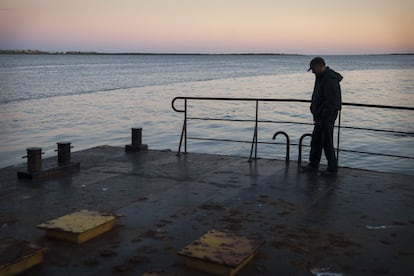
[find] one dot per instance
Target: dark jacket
(326, 97)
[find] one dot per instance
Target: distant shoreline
(40, 52)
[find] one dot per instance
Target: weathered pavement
(356, 223)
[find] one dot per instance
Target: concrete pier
(355, 223)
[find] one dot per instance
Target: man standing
(326, 102)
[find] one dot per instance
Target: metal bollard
(63, 150)
(136, 141)
(34, 159)
(136, 136)
(34, 163)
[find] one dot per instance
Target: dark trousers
(322, 138)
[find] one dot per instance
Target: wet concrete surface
(355, 223)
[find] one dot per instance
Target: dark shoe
(328, 173)
(309, 168)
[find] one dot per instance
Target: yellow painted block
(18, 256)
(220, 253)
(80, 226)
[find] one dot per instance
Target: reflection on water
(106, 118)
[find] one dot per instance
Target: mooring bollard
(34, 163)
(136, 138)
(34, 159)
(63, 150)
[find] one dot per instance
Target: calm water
(95, 100)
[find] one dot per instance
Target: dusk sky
(209, 26)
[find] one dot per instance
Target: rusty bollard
(34, 159)
(63, 150)
(136, 138)
(34, 163)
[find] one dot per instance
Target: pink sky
(210, 26)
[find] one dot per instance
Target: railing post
(185, 125)
(254, 141)
(339, 132)
(257, 131)
(183, 131)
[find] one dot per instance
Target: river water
(93, 100)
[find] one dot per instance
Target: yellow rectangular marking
(80, 226)
(26, 256)
(220, 253)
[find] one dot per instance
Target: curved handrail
(173, 104)
(300, 146)
(287, 143)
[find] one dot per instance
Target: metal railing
(184, 138)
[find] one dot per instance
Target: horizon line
(77, 52)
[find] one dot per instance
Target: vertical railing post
(339, 132)
(254, 141)
(184, 131)
(185, 125)
(257, 122)
(181, 140)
